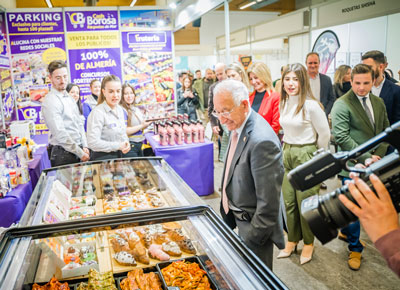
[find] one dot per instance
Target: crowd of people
(264, 128)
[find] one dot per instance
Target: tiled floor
(328, 268)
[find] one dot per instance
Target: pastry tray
(122, 276)
(193, 259)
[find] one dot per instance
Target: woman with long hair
(264, 100)
(91, 100)
(188, 99)
(106, 133)
(341, 80)
(237, 72)
(135, 121)
(74, 91)
(305, 130)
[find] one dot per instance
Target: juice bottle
(187, 131)
(201, 131)
(163, 135)
(195, 131)
(178, 133)
(171, 133)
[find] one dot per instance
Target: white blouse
(314, 128)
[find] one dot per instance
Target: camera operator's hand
(376, 213)
(371, 160)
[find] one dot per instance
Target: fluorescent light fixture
(247, 5)
(49, 4)
(160, 23)
(172, 5)
(133, 3)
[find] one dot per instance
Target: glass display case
(95, 188)
(166, 248)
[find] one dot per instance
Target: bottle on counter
(178, 133)
(5, 182)
(195, 131)
(187, 131)
(162, 131)
(156, 127)
(185, 117)
(201, 131)
(171, 133)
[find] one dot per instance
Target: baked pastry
(140, 253)
(171, 226)
(176, 235)
(53, 284)
(159, 238)
(125, 258)
(138, 280)
(186, 246)
(156, 252)
(172, 249)
(119, 244)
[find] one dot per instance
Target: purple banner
(146, 41)
(34, 113)
(89, 64)
(91, 20)
(35, 22)
(4, 53)
(30, 43)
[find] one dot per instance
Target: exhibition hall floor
(328, 269)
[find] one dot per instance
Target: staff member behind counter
(106, 131)
(67, 139)
(135, 122)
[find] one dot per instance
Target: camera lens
(326, 213)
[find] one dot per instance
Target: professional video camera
(325, 214)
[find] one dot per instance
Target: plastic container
(171, 134)
(162, 131)
(178, 133)
(201, 131)
(187, 131)
(195, 131)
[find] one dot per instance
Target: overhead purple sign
(35, 22)
(91, 20)
(146, 40)
(4, 56)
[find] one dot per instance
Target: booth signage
(93, 43)
(36, 39)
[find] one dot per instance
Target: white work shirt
(377, 90)
(91, 102)
(62, 117)
(106, 128)
(369, 104)
(316, 87)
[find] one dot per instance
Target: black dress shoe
(323, 185)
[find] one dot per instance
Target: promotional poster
(93, 42)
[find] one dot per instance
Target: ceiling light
(49, 4)
(132, 3)
(172, 5)
(247, 5)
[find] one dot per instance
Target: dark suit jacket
(255, 180)
(390, 94)
(327, 97)
(351, 126)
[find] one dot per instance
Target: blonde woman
(264, 100)
(305, 130)
(237, 72)
(341, 81)
(106, 132)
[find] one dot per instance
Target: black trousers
(59, 156)
(136, 150)
(105, 155)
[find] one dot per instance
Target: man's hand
(371, 160)
(86, 150)
(125, 147)
(85, 156)
(376, 213)
(216, 130)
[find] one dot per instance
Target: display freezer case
(167, 248)
(106, 187)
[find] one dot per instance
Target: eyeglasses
(223, 114)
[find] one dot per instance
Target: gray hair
(237, 90)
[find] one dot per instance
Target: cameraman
(378, 217)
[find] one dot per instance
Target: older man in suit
(321, 85)
(383, 88)
(253, 172)
(358, 116)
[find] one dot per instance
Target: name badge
(112, 125)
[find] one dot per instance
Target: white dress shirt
(377, 90)
(61, 115)
(91, 101)
(316, 87)
(369, 104)
(312, 129)
(106, 128)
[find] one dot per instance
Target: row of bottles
(180, 130)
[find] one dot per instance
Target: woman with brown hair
(91, 100)
(305, 130)
(106, 133)
(135, 121)
(341, 81)
(188, 99)
(264, 100)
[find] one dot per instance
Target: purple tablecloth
(13, 205)
(194, 163)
